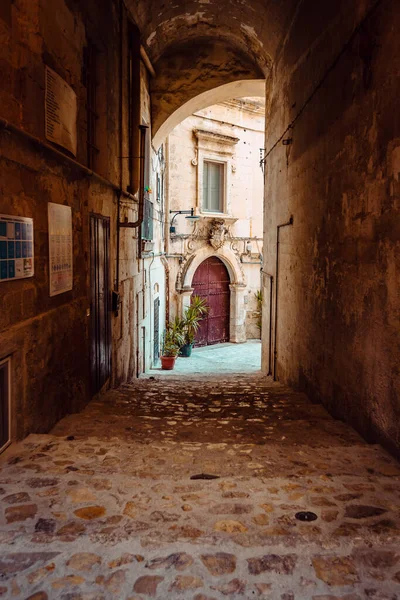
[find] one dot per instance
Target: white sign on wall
(60, 111)
(60, 248)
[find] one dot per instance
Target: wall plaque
(16, 247)
(60, 248)
(60, 111)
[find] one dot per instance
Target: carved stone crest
(217, 233)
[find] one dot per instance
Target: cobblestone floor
(119, 501)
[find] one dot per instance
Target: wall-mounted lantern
(191, 217)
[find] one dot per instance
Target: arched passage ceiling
(256, 26)
(191, 78)
(198, 45)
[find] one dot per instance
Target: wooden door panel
(211, 281)
(100, 301)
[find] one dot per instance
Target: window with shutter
(213, 186)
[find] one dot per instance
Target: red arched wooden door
(211, 281)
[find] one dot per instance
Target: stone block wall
(48, 338)
(338, 297)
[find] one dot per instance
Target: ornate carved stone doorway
(211, 281)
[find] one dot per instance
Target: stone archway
(235, 89)
(237, 287)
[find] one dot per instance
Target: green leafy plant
(193, 315)
(173, 338)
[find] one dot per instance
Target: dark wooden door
(211, 281)
(100, 301)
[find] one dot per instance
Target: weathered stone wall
(338, 297)
(48, 338)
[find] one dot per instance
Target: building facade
(214, 173)
(78, 173)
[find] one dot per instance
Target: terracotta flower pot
(167, 362)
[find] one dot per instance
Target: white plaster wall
(246, 183)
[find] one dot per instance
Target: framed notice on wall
(60, 112)
(60, 248)
(16, 247)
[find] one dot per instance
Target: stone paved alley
(219, 359)
(108, 504)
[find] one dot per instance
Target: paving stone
(329, 515)
(67, 581)
(322, 501)
(335, 570)
(19, 498)
(71, 529)
(147, 584)
(230, 526)
(220, 563)
(261, 519)
(179, 560)
(183, 583)
(41, 573)
(114, 582)
(83, 561)
(385, 526)
(125, 559)
(268, 508)
(20, 513)
(186, 531)
(379, 559)
(272, 563)
(263, 590)
(90, 512)
(355, 511)
(81, 495)
(41, 482)
(13, 563)
(234, 588)
(130, 510)
(46, 525)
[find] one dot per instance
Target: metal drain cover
(306, 516)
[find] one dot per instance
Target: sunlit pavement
(185, 488)
(218, 359)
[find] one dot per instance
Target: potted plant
(191, 323)
(172, 342)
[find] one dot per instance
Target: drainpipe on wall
(278, 228)
(139, 220)
(271, 291)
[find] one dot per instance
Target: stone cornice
(211, 136)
